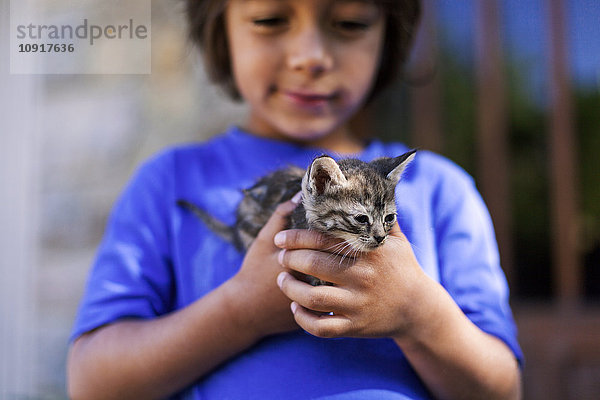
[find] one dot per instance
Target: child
(173, 310)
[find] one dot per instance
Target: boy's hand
(255, 298)
(374, 295)
(385, 293)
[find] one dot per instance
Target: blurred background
(508, 89)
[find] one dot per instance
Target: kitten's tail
(224, 231)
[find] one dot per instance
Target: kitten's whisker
(331, 257)
(336, 247)
(361, 249)
(352, 251)
(350, 244)
(346, 245)
(340, 247)
(347, 249)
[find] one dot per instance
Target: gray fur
(349, 199)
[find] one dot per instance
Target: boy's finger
(316, 298)
(307, 239)
(397, 232)
(319, 324)
(321, 265)
(279, 219)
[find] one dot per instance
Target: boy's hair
(206, 19)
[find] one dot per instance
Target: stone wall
(89, 134)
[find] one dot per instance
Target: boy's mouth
(309, 99)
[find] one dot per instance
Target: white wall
(19, 163)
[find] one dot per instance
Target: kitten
(351, 200)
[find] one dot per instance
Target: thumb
(395, 231)
(279, 220)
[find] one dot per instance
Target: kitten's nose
(379, 239)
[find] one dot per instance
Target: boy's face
(303, 66)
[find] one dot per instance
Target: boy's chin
(309, 138)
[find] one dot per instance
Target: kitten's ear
(398, 164)
(323, 174)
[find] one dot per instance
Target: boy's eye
(270, 22)
(390, 218)
(361, 219)
(351, 26)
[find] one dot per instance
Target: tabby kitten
(350, 199)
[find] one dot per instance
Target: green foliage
(587, 122)
(528, 158)
(459, 112)
(388, 113)
(530, 205)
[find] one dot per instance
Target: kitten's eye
(361, 219)
(390, 218)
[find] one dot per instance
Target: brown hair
(206, 19)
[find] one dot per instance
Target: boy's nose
(309, 53)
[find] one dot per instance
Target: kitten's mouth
(365, 247)
(353, 244)
(375, 243)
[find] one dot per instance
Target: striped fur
(350, 199)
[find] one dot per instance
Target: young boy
(173, 310)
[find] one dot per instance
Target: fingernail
(280, 257)
(279, 239)
(297, 197)
(294, 307)
(280, 279)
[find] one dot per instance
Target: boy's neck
(340, 141)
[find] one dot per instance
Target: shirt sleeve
(469, 261)
(132, 273)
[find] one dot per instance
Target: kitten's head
(353, 200)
